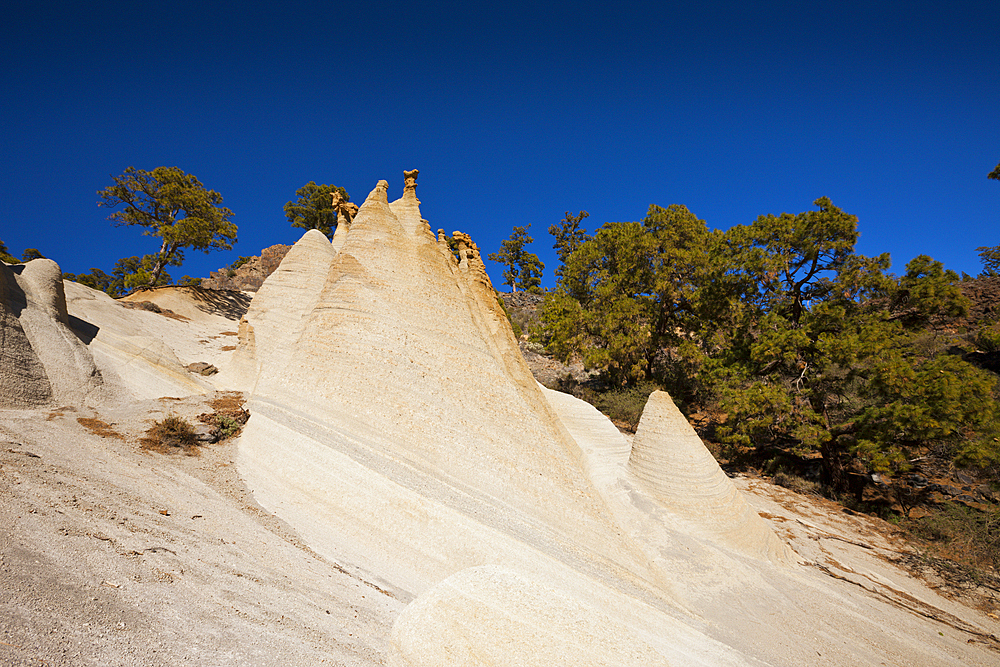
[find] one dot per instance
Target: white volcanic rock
(673, 464)
(432, 487)
(278, 309)
(396, 428)
(494, 616)
(58, 366)
(142, 353)
(402, 383)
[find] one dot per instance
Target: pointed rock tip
(380, 193)
(661, 408)
(314, 236)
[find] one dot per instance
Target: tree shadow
(230, 304)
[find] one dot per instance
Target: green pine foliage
(524, 269)
(314, 208)
(780, 328)
(173, 207)
(5, 255)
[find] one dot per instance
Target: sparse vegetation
(961, 533)
(98, 427)
(796, 483)
(170, 435)
(229, 415)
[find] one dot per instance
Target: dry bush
(229, 416)
(171, 435)
(796, 483)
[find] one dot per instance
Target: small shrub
(170, 435)
(796, 483)
(624, 406)
(229, 416)
(228, 427)
(962, 533)
(988, 337)
(237, 264)
(537, 348)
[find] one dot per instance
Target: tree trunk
(161, 260)
(834, 473)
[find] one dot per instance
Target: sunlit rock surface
(396, 426)
(486, 520)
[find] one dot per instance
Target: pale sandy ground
(111, 555)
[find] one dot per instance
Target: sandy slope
(110, 555)
(114, 556)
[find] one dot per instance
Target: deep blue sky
(514, 113)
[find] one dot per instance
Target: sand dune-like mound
(673, 464)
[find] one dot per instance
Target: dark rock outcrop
(250, 276)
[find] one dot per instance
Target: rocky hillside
(251, 275)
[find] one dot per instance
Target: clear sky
(514, 113)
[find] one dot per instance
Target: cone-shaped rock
(279, 307)
(672, 462)
(401, 418)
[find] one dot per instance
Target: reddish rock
(250, 276)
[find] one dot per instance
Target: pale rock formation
(23, 382)
(278, 309)
(43, 359)
(393, 414)
(397, 430)
(395, 426)
(467, 459)
(128, 345)
(673, 464)
(494, 616)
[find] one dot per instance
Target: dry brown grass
(229, 416)
(98, 427)
(228, 401)
(171, 435)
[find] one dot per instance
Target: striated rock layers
(396, 427)
(673, 464)
(41, 359)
